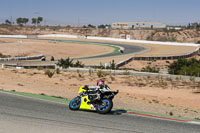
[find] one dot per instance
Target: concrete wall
(143, 41)
(104, 39)
(13, 36)
(59, 35)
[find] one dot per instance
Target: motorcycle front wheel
(105, 106)
(75, 103)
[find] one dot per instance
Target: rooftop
(139, 23)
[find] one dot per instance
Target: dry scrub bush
(49, 73)
(101, 74)
(57, 71)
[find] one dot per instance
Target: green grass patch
(39, 96)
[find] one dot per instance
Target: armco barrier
(59, 35)
(197, 51)
(22, 58)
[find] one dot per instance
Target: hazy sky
(80, 12)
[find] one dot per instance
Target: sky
(96, 12)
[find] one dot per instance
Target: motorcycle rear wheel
(105, 106)
(75, 103)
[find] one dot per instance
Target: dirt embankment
(184, 35)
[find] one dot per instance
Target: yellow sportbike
(99, 100)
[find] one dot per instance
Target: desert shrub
(90, 71)
(57, 71)
(78, 64)
(101, 74)
(167, 61)
(39, 68)
(198, 42)
(65, 63)
(113, 65)
(80, 75)
(4, 56)
(150, 69)
(49, 73)
(189, 67)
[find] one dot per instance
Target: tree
(189, 26)
(91, 26)
(189, 67)
(25, 20)
(34, 21)
(102, 26)
(19, 21)
(7, 22)
(39, 20)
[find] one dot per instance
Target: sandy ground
(178, 98)
(48, 48)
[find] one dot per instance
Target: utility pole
(11, 20)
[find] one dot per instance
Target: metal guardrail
(150, 58)
(134, 73)
(22, 58)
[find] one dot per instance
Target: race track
(20, 114)
(127, 49)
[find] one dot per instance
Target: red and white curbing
(164, 118)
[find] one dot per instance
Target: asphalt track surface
(20, 114)
(128, 49)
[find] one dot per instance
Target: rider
(100, 88)
(100, 83)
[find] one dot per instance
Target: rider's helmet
(100, 83)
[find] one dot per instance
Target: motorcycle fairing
(85, 100)
(85, 105)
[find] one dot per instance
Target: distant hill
(184, 35)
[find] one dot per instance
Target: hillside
(185, 35)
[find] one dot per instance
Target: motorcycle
(99, 100)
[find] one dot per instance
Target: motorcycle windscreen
(84, 105)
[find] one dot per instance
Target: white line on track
(194, 122)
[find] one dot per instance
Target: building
(138, 25)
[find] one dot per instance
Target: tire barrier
(150, 58)
(23, 58)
